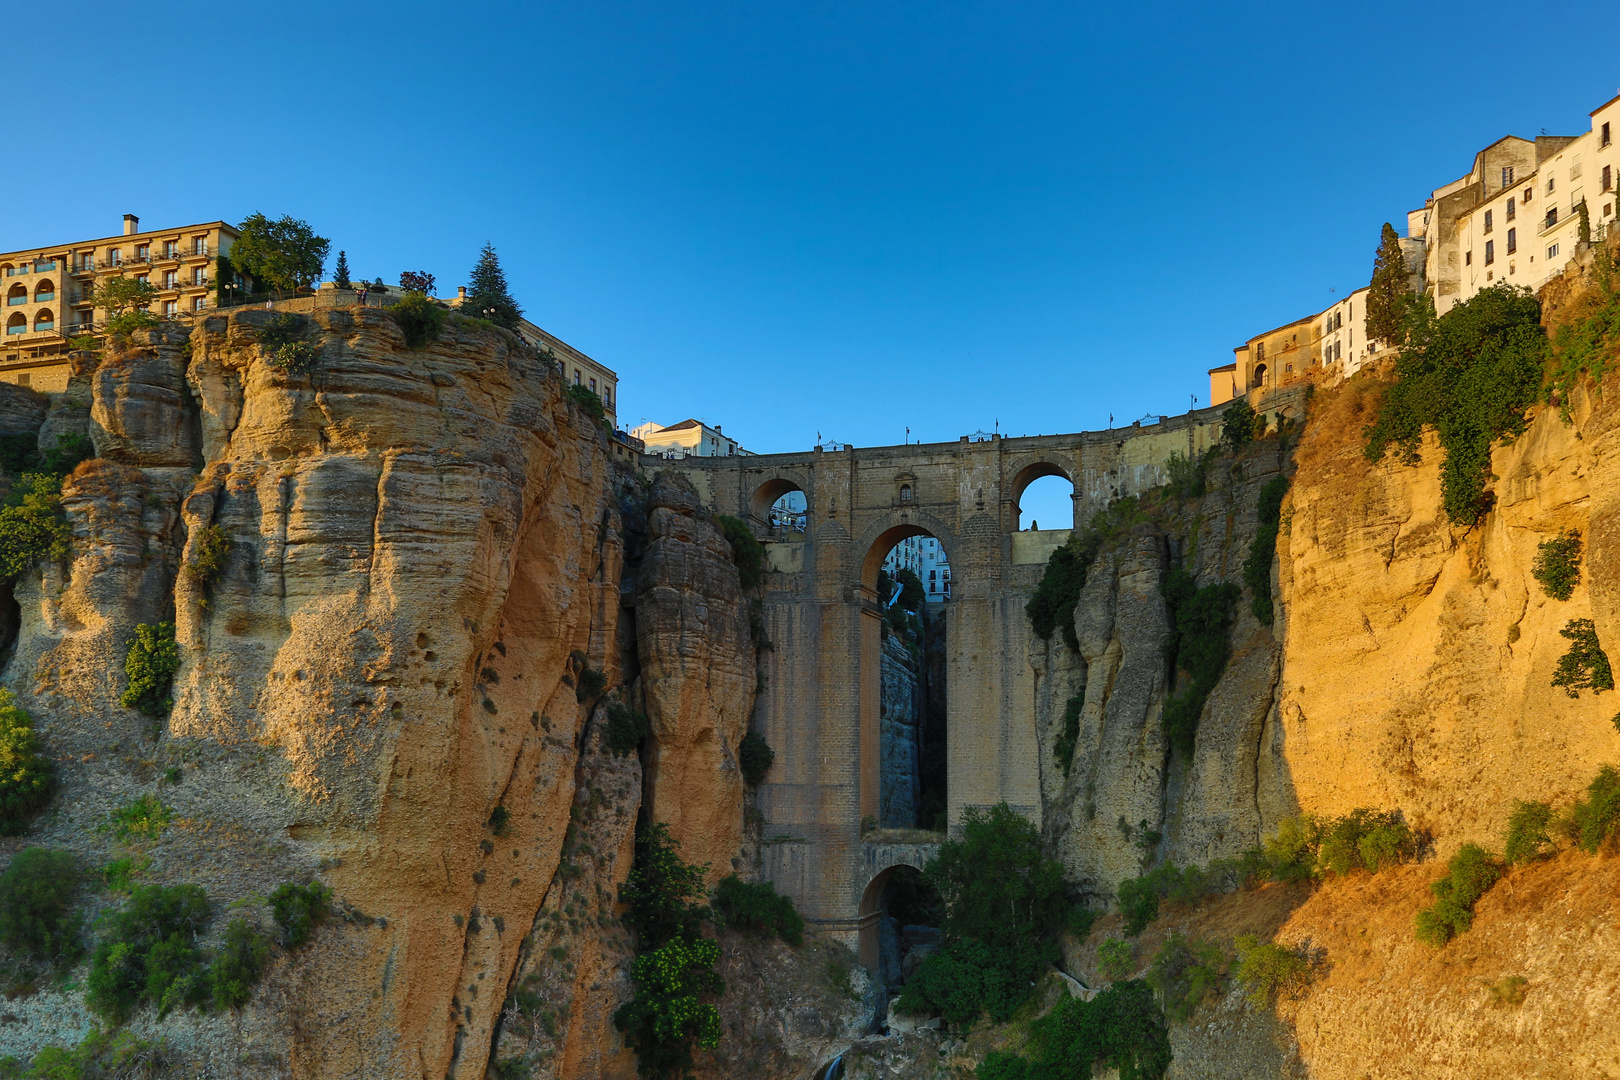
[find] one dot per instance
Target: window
(1575, 169)
(24, 379)
(145, 279)
(905, 493)
(1552, 251)
(1604, 138)
(143, 252)
(199, 275)
(576, 376)
(1507, 176)
(197, 302)
(1513, 241)
(171, 279)
(1487, 225)
(115, 257)
(1550, 182)
(1528, 192)
(199, 245)
(1608, 177)
(593, 386)
(1490, 252)
(1468, 258)
(1510, 214)
(171, 249)
(1552, 216)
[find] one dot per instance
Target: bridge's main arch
(821, 700)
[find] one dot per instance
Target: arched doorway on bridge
(1044, 495)
(781, 506)
(913, 585)
(900, 915)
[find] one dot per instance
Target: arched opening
(1259, 376)
(18, 294)
(1044, 496)
(900, 917)
(781, 506)
(44, 320)
(17, 324)
(46, 290)
(913, 590)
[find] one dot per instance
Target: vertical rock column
(901, 761)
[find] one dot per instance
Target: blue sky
(834, 218)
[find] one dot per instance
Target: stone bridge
(821, 701)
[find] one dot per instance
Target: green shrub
(1528, 832)
(1473, 870)
(145, 817)
(1588, 342)
(296, 357)
(151, 664)
(70, 449)
(1138, 904)
(19, 453)
(420, 318)
(1266, 968)
(1594, 822)
(238, 965)
(1187, 478)
(208, 556)
(100, 1056)
(1002, 1065)
(1585, 666)
(1290, 855)
(37, 913)
(1121, 1028)
(757, 907)
(120, 328)
(148, 953)
(625, 729)
(746, 551)
(1363, 839)
(587, 400)
(1184, 972)
(32, 527)
(1558, 564)
(1470, 374)
(25, 773)
(1263, 549)
(1508, 991)
(754, 757)
(1004, 906)
(1199, 644)
(499, 819)
(1115, 959)
(1078, 921)
(282, 328)
(1052, 604)
(1239, 425)
(1069, 737)
(662, 894)
(298, 909)
(118, 875)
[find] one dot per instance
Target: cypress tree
(340, 275)
(487, 292)
(1388, 297)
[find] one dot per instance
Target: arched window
(44, 291)
(17, 324)
(17, 294)
(905, 493)
(45, 320)
(1259, 376)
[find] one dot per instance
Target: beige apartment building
(577, 368)
(49, 290)
(689, 438)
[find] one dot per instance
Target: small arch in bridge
(1044, 490)
(775, 494)
(885, 543)
(873, 908)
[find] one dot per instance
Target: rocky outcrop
(900, 749)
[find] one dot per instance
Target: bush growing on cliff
(101, 1055)
(588, 401)
(1594, 821)
(1585, 666)
(625, 729)
(1188, 478)
(1558, 564)
(1472, 871)
(146, 817)
(151, 663)
(1470, 375)
(746, 551)
(37, 914)
(1239, 425)
(1069, 737)
(1184, 972)
(1121, 1028)
(298, 909)
(148, 953)
(1004, 905)
(420, 319)
(662, 894)
(1263, 549)
(1529, 834)
(1267, 968)
(208, 558)
(32, 527)
(25, 773)
(238, 965)
(1588, 342)
(1053, 602)
(1199, 643)
(1364, 839)
(1115, 960)
(754, 757)
(742, 905)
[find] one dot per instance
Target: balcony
(30, 268)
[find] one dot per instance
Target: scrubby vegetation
(151, 664)
(1585, 666)
(148, 953)
(1115, 958)
(1121, 1028)
(298, 909)
(1053, 602)
(754, 757)
(1263, 549)
(758, 908)
(1185, 971)
(237, 966)
(626, 728)
(588, 402)
(589, 684)
(1588, 341)
(25, 772)
(102, 1055)
(1471, 873)
(1470, 375)
(208, 558)
(146, 817)
(1004, 903)
(32, 527)
(1529, 833)
(421, 319)
(1558, 564)
(1198, 644)
(1266, 968)
(1188, 478)
(1593, 823)
(674, 965)
(1069, 736)
(746, 551)
(1239, 425)
(38, 917)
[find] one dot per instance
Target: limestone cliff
(899, 736)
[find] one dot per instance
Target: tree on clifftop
(284, 255)
(1388, 297)
(487, 297)
(340, 274)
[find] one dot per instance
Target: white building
(689, 438)
(923, 556)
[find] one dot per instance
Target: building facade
(689, 438)
(49, 291)
(577, 368)
(923, 556)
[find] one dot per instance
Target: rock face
(900, 749)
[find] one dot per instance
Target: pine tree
(340, 275)
(1389, 297)
(487, 297)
